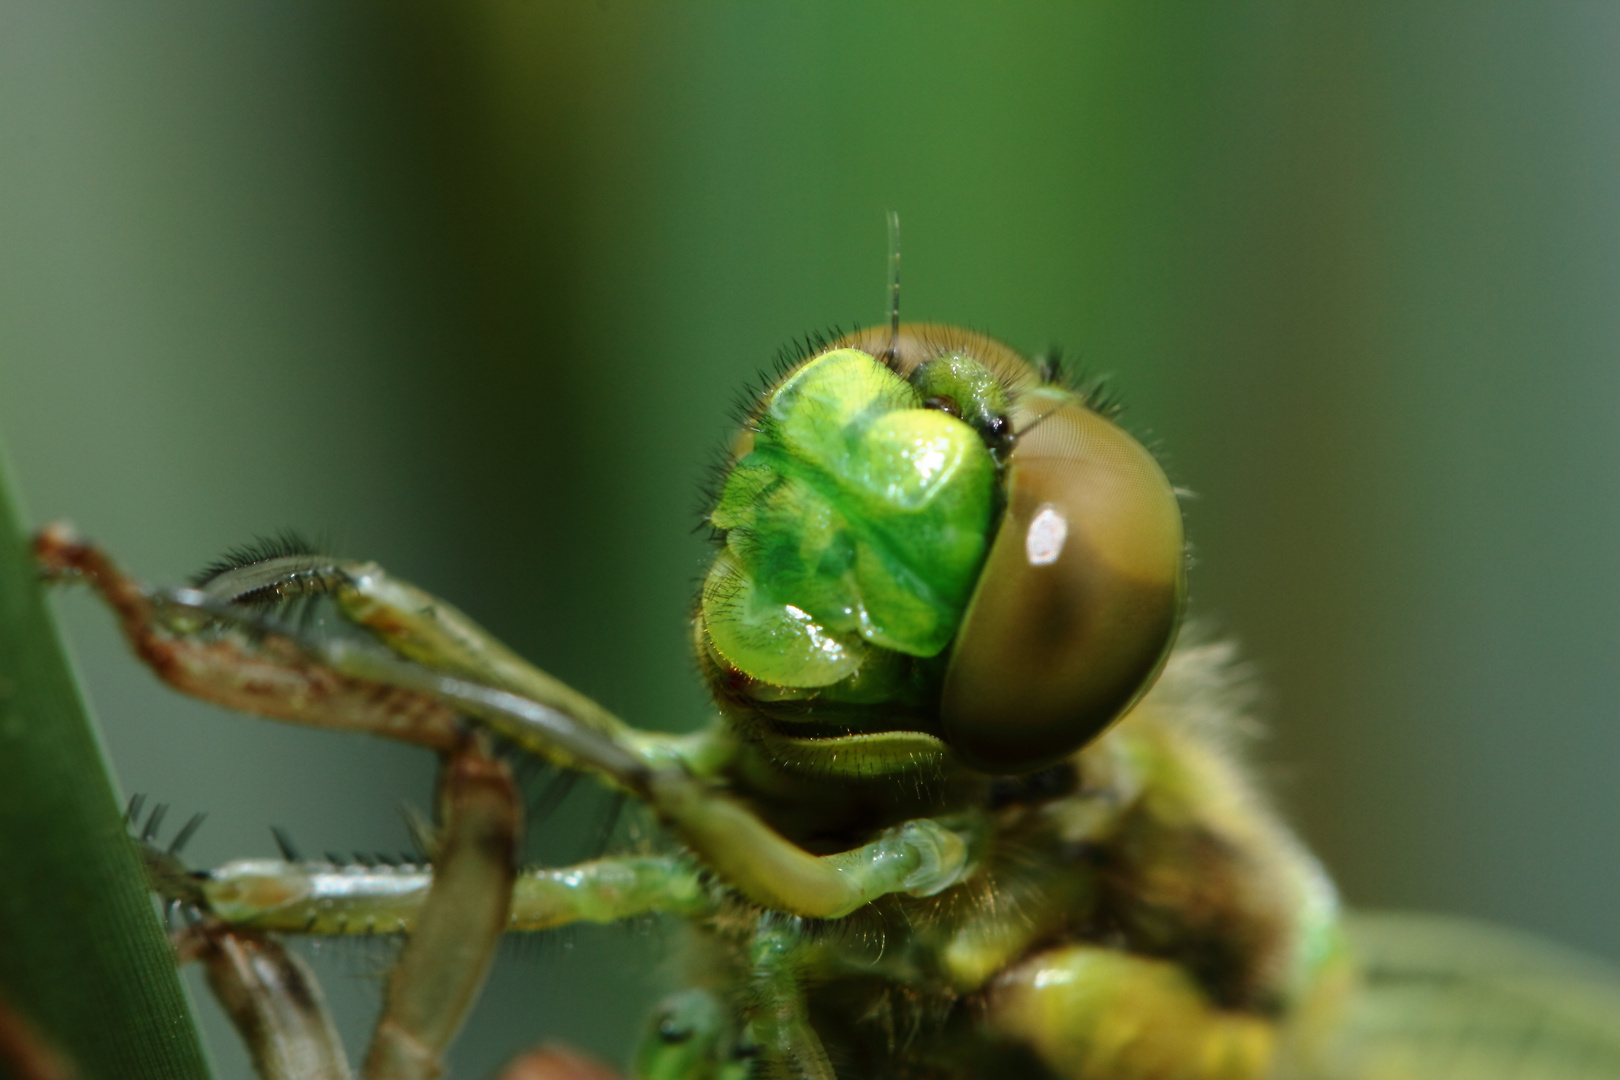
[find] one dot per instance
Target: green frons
(858, 519)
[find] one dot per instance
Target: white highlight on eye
(1047, 534)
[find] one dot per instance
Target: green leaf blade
(82, 954)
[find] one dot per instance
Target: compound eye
(1079, 600)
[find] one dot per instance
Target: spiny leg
(232, 655)
(412, 623)
(266, 674)
(328, 899)
(424, 628)
(272, 999)
(781, 1018)
(458, 918)
(449, 953)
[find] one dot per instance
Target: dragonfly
(973, 803)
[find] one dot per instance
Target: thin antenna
(892, 356)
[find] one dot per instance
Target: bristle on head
(1097, 391)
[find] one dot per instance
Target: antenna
(892, 356)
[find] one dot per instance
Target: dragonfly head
(936, 552)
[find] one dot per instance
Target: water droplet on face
(1043, 543)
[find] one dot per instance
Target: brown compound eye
(1080, 596)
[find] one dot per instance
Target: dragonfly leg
(234, 655)
(331, 899)
(413, 623)
(461, 920)
(275, 671)
(267, 674)
(458, 918)
(426, 629)
(789, 1045)
(272, 999)
(920, 857)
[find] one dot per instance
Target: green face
(855, 528)
(859, 520)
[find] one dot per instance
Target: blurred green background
(470, 289)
